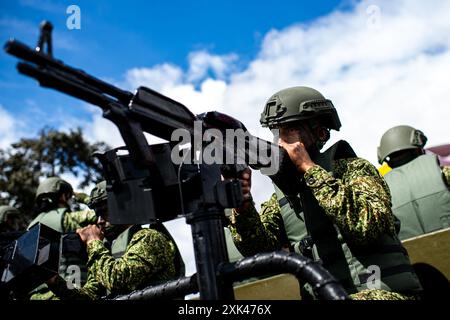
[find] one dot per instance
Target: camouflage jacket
(149, 259)
(78, 219)
(356, 198)
(446, 174)
(71, 221)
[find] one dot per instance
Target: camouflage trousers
(379, 295)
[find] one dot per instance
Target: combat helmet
(52, 186)
(6, 211)
(299, 103)
(399, 138)
(98, 194)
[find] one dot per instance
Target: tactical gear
(52, 185)
(54, 219)
(295, 232)
(399, 138)
(6, 211)
(120, 244)
(347, 262)
(296, 104)
(420, 197)
(98, 194)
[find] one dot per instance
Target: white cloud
(158, 78)
(8, 129)
(380, 68)
(200, 62)
(209, 96)
(101, 129)
(382, 64)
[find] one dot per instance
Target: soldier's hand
(246, 184)
(90, 233)
(81, 197)
(298, 154)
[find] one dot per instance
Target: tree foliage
(52, 153)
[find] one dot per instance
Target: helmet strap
(321, 133)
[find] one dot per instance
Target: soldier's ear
(65, 196)
(323, 134)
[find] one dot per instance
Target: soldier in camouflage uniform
(138, 257)
(10, 219)
(53, 199)
(347, 223)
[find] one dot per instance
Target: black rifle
(202, 195)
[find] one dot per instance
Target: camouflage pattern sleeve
(378, 294)
(78, 219)
(149, 259)
(92, 289)
(356, 198)
(253, 232)
(446, 174)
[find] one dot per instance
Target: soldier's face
(296, 133)
(101, 222)
(102, 216)
(13, 223)
(66, 199)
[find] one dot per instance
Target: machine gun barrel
(151, 111)
(52, 79)
(146, 110)
(41, 60)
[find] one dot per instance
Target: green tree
(51, 153)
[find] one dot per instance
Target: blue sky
(116, 36)
(382, 63)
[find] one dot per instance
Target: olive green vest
(120, 244)
(54, 219)
(352, 265)
(420, 197)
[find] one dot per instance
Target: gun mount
(203, 195)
